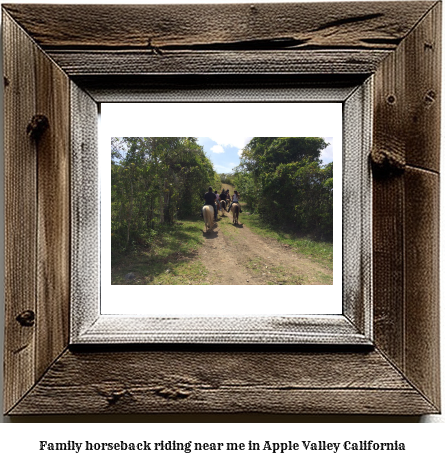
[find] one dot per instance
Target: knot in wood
(114, 397)
(387, 163)
(37, 126)
(26, 318)
(112, 394)
(172, 393)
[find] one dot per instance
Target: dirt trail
(236, 255)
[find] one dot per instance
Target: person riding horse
(210, 199)
(223, 196)
(235, 199)
(228, 198)
(217, 204)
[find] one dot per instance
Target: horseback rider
(228, 198)
(217, 205)
(235, 199)
(223, 196)
(210, 199)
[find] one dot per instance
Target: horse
(208, 213)
(235, 212)
(223, 206)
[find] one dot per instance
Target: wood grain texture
(388, 201)
(406, 133)
(53, 236)
(20, 212)
(422, 364)
(112, 329)
(357, 209)
(153, 27)
(37, 217)
(78, 63)
(218, 88)
(218, 381)
(225, 39)
(388, 268)
(85, 211)
(423, 91)
(407, 114)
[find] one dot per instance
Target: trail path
(236, 255)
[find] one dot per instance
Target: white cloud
(327, 155)
(232, 141)
(217, 149)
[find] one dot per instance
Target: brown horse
(235, 212)
(223, 206)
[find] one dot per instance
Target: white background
(210, 119)
(19, 441)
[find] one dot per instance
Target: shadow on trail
(212, 234)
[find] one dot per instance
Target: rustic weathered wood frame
(67, 57)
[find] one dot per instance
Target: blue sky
(225, 151)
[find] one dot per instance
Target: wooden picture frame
(76, 56)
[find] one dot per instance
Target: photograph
(181, 215)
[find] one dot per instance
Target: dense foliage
(227, 178)
(284, 180)
(155, 180)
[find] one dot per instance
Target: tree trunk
(161, 203)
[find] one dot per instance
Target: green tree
(284, 180)
(154, 181)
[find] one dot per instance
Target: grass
(228, 186)
(320, 252)
(229, 230)
(170, 259)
